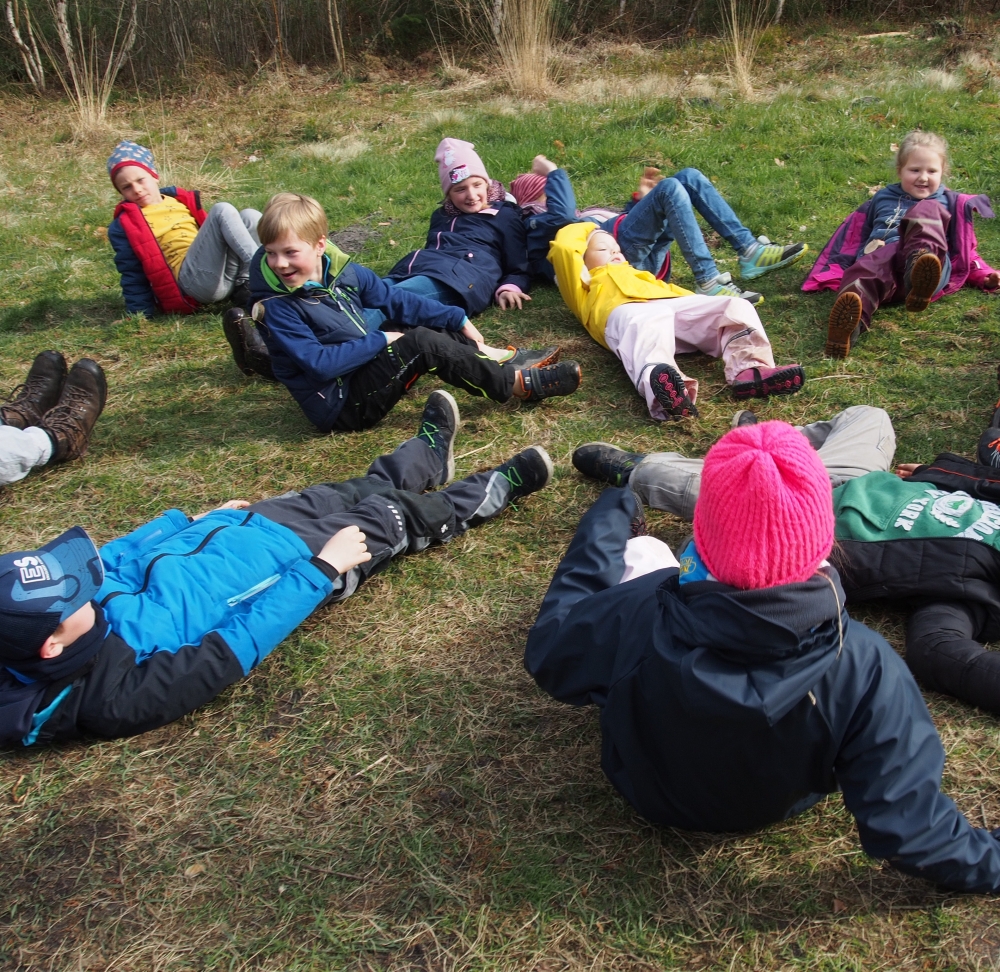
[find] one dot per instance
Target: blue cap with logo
(41, 588)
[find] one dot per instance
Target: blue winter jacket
(318, 336)
(192, 607)
(727, 710)
(542, 228)
(472, 253)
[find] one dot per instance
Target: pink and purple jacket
(967, 267)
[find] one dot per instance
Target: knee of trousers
(671, 189)
(689, 176)
(225, 207)
(428, 517)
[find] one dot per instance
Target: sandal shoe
(845, 319)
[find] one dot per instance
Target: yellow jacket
(608, 287)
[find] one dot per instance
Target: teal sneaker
(762, 257)
(722, 286)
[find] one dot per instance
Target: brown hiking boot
(845, 318)
(40, 391)
(924, 274)
(71, 421)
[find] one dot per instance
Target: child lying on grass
(661, 211)
(476, 252)
(912, 241)
(116, 642)
(321, 316)
(171, 255)
(647, 322)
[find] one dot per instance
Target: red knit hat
(764, 515)
(527, 188)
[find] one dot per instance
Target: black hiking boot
(534, 384)
(527, 472)
(531, 358)
(40, 392)
(249, 350)
(438, 427)
(608, 463)
(70, 422)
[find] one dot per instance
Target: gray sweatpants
(856, 441)
(22, 450)
(219, 258)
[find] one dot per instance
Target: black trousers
(389, 506)
(943, 651)
(377, 386)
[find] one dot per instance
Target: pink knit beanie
(457, 161)
(764, 515)
(527, 188)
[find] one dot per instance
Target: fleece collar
(334, 262)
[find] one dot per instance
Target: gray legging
(219, 258)
(856, 441)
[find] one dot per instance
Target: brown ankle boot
(40, 391)
(70, 423)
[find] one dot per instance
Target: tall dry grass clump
(743, 26)
(88, 65)
(524, 38)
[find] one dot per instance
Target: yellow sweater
(609, 287)
(174, 229)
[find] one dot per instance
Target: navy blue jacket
(474, 254)
(319, 336)
(542, 228)
(727, 710)
(888, 208)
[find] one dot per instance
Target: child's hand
(473, 334)
(228, 505)
(906, 469)
(542, 166)
(872, 245)
(391, 336)
(511, 298)
(649, 178)
(345, 550)
(992, 281)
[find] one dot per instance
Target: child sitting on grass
(321, 315)
(119, 641)
(476, 252)
(646, 322)
(662, 210)
(171, 255)
(734, 690)
(912, 241)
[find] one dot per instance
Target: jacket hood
(264, 281)
(761, 649)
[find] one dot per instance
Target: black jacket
(726, 710)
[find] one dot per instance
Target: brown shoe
(40, 391)
(70, 422)
(845, 317)
(924, 274)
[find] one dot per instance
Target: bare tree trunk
(778, 11)
(29, 50)
(336, 35)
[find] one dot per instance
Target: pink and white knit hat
(457, 161)
(526, 188)
(764, 515)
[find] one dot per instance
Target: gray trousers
(856, 441)
(22, 450)
(219, 258)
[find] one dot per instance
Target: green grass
(389, 790)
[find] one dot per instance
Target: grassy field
(389, 790)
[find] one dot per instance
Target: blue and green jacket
(319, 336)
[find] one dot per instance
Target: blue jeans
(429, 287)
(666, 213)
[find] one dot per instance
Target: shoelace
(428, 430)
(513, 476)
(65, 417)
